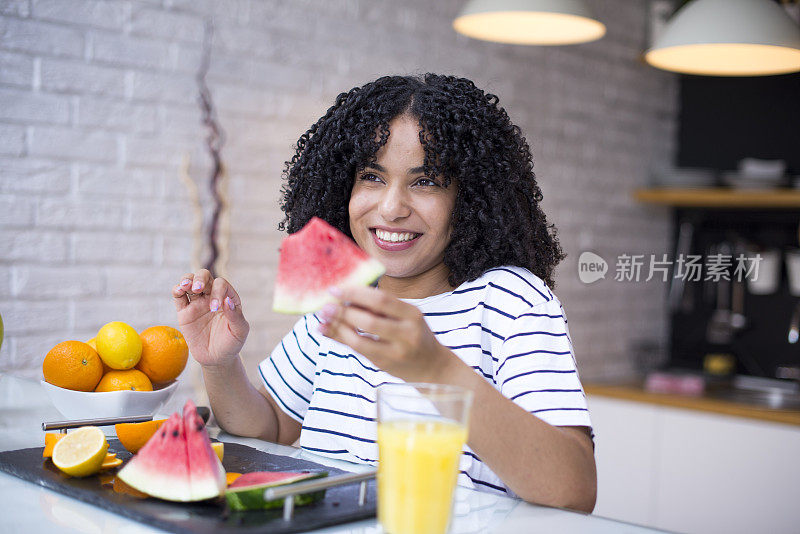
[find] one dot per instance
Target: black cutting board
(340, 504)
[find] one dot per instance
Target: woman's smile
(391, 239)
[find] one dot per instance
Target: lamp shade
(728, 38)
(530, 22)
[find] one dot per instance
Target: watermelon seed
(174, 433)
(199, 427)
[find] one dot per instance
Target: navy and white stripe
(507, 325)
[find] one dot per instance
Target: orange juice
(417, 471)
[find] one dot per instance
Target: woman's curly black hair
(467, 137)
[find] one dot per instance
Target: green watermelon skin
(314, 259)
(251, 497)
(160, 468)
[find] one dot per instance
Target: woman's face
(400, 216)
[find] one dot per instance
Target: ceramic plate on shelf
(744, 181)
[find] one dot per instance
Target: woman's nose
(394, 205)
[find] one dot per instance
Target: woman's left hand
(394, 335)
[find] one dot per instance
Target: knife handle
(103, 421)
(287, 492)
(203, 411)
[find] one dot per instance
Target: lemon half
(81, 452)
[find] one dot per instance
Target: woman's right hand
(210, 318)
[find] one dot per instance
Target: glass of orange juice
(422, 429)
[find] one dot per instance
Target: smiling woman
(428, 175)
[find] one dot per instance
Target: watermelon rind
(252, 497)
(287, 302)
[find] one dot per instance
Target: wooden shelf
(635, 392)
(720, 197)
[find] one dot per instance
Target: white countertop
(28, 508)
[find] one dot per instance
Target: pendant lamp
(529, 22)
(728, 38)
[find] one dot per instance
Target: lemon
(219, 448)
(81, 452)
(119, 345)
(92, 343)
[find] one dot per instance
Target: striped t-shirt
(506, 325)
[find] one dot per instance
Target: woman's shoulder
(515, 284)
(305, 330)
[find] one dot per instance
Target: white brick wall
(98, 108)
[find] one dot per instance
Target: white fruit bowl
(92, 405)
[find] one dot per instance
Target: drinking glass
(422, 429)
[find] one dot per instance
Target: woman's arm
(241, 409)
(540, 462)
(211, 319)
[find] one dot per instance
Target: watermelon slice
(206, 474)
(312, 260)
(247, 491)
(178, 462)
(160, 468)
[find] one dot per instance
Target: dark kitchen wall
(723, 120)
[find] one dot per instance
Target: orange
(50, 441)
(120, 487)
(72, 365)
(164, 353)
(110, 461)
(122, 380)
(93, 343)
(133, 436)
(231, 477)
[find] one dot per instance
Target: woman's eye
(427, 182)
(369, 177)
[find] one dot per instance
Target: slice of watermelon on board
(161, 467)
(247, 491)
(269, 477)
(206, 474)
(312, 260)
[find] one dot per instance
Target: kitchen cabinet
(691, 471)
(730, 223)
